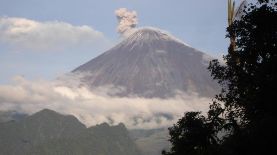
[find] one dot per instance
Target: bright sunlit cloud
(26, 34)
(92, 108)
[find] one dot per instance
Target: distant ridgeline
(50, 133)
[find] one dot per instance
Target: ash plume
(127, 21)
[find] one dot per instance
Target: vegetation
(50, 133)
(241, 117)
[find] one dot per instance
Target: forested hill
(48, 132)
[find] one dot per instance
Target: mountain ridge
(48, 132)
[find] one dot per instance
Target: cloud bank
(127, 21)
(26, 34)
(91, 108)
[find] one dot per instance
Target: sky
(43, 39)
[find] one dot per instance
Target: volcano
(150, 63)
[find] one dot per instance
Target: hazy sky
(46, 38)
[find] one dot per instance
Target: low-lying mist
(94, 107)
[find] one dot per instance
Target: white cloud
(26, 34)
(92, 108)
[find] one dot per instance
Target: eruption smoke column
(127, 21)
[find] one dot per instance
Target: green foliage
(244, 110)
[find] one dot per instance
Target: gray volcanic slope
(150, 63)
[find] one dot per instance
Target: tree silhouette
(191, 135)
(244, 110)
(249, 85)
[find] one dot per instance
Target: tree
(249, 85)
(234, 14)
(244, 109)
(191, 135)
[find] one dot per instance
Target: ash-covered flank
(150, 63)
